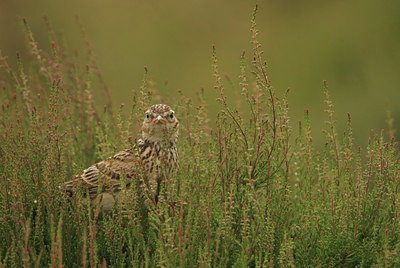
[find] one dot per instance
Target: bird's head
(160, 124)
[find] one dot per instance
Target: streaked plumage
(154, 156)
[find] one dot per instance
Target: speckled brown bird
(154, 156)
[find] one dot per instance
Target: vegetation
(251, 191)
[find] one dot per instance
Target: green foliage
(247, 192)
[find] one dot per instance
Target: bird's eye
(171, 115)
(147, 116)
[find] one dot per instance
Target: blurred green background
(352, 44)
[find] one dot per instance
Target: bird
(151, 158)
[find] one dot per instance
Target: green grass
(251, 189)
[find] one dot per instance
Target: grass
(251, 191)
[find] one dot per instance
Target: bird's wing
(107, 174)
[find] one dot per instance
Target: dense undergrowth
(251, 191)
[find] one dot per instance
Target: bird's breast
(157, 158)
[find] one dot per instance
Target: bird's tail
(70, 186)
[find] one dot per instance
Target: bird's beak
(159, 120)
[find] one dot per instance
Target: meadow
(251, 190)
